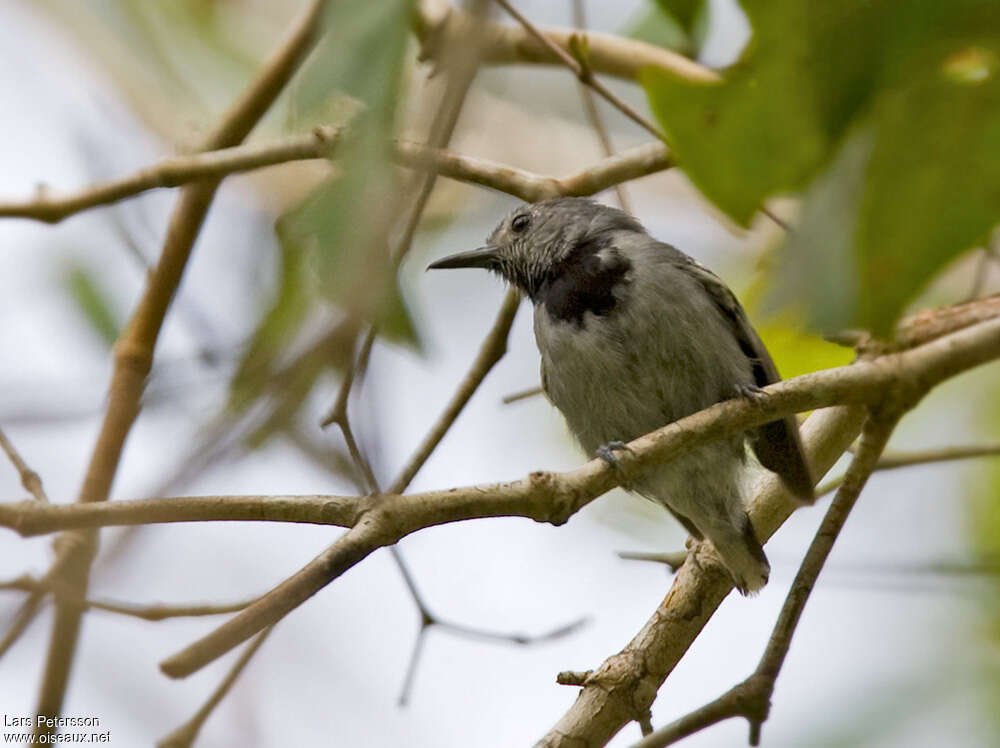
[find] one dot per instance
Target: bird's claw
(751, 392)
(607, 453)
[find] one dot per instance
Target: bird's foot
(751, 392)
(607, 453)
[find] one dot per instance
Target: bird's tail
(741, 553)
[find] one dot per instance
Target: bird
(634, 334)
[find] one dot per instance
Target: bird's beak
(484, 257)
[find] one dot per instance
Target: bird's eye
(520, 223)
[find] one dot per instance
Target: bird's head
(537, 243)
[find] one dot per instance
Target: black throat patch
(584, 282)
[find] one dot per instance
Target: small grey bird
(634, 334)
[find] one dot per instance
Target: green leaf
(292, 301)
(92, 301)
(683, 11)
(932, 192)
(885, 112)
(771, 122)
(653, 26)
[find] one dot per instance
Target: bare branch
(29, 478)
(751, 699)
(583, 73)
(553, 498)
(436, 22)
(630, 164)
(493, 348)
(174, 172)
(186, 734)
(156, 612)
(133, 352)
(591, 110)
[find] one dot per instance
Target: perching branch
(751, 699)
(545, 497)
(555, 497)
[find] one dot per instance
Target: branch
(592, 112)
(751, 699)
(186, 734)
(555, 497)
(133, 352)
(895, 460)
(583, 72)
(174, 172)
(630, 164)
(156, 612)
(437, 22)
(626, 683)
(493, 348)
(634, 163)
(29, 478)
(545, 497)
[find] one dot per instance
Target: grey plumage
(633, 335)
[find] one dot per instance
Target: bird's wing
(777, 444)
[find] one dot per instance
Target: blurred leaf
(683, 11)
(277, 326)
(918, 86)
(179, 62)
(653, 26)
(335, 242)
(360, 55)
(92, 301)
(691, 16)
(344, 224)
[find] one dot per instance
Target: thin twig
(29, 478)
(158, 612)
(175, 172)
(186, 734)
(133, 352)
(583, 73)
(437, 22)
(521, 395)
(672, 560)
(493, 348)
(895, 460)
(632, 163)
(591, 110)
